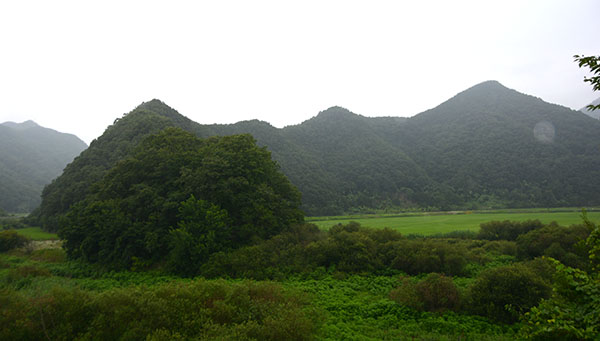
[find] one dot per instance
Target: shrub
(428, 255)
(506, 292)
(507, 230)
(434, 293)
(194, 310)
(10, 239)
(565, 244)
(49, 255)
(406, 294)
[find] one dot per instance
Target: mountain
(30, 157)
(494, 146)
(487, 147)
(596, 113)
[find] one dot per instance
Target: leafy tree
(10, 239)
(593, 63)
(181, 198)
(203, 229)
(506, 292)
(573, 311)
(563, 243)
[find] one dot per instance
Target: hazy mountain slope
(353, 166)
(30, 157)
(596, 113)
(482, 143)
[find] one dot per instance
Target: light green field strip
(433, 224)
(36, 233)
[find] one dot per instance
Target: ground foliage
(344, 283)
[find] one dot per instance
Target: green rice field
(36, 233)
(443, 222)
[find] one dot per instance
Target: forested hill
(493, 146)
(488, 146)
(30, 157)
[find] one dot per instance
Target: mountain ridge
(478, 149)
(30, 157)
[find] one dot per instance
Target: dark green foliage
(563, 243)
(573, 311)
(476, 150)
(435, 293)
(203, 229)
(427, 255)
(351, 249)
(3, 212)
(30, 157)
(10, 239)
(12, 223)
(182, 198)
(117, 143)
(507, 230)
(593, 63)
(504, 293)
(198, 309)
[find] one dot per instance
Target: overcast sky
(75, 66)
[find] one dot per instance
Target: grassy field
(434, 223)
(36, 233)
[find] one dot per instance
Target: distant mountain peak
(154, 105)
(336, 112)
(21, 126)
(491, 86)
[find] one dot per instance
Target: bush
(12, 224)
(507, 230)
(506, 292)
(435, 293)
(10, 239)
(418, 256)
(565, 244)
(193, 310)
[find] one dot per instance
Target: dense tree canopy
(182, 198)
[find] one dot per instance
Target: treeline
(354, 249)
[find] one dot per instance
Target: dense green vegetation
(488, 147)
(181, 198)
(30, 157)
(10, 239)
(441, 222)
(350, 282)
(36, 233)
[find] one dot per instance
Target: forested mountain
(488, 146)
(30, 157)
(596, 113)
(493, 146)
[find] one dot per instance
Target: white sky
(75, 66)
